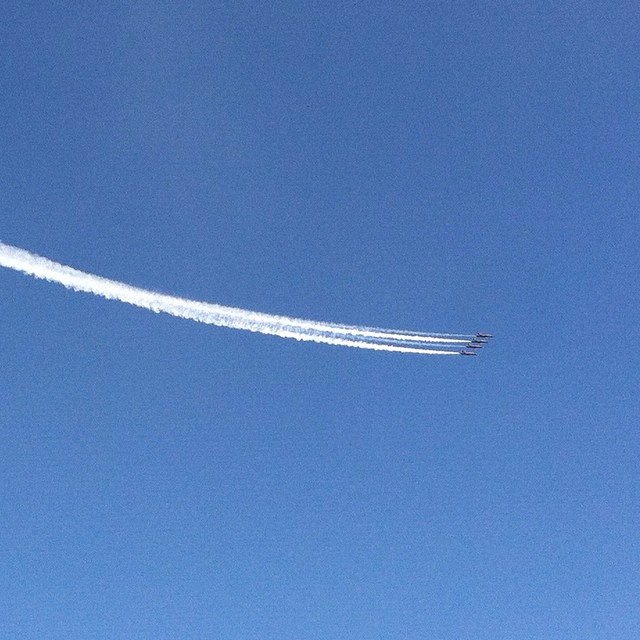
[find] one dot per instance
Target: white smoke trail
(395, 334)
(223, 316)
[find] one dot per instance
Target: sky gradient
(435, 167)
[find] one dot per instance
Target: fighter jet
(468, 353)
(474, 346)
(478, 341)
(483, 335)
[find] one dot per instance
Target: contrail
(235, 318)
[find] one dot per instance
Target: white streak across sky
(235, 318)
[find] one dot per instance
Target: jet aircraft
(483, 335)
(468, 353)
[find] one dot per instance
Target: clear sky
(436, 166)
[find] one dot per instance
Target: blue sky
(426, 166)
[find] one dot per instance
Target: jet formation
(476, 343)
